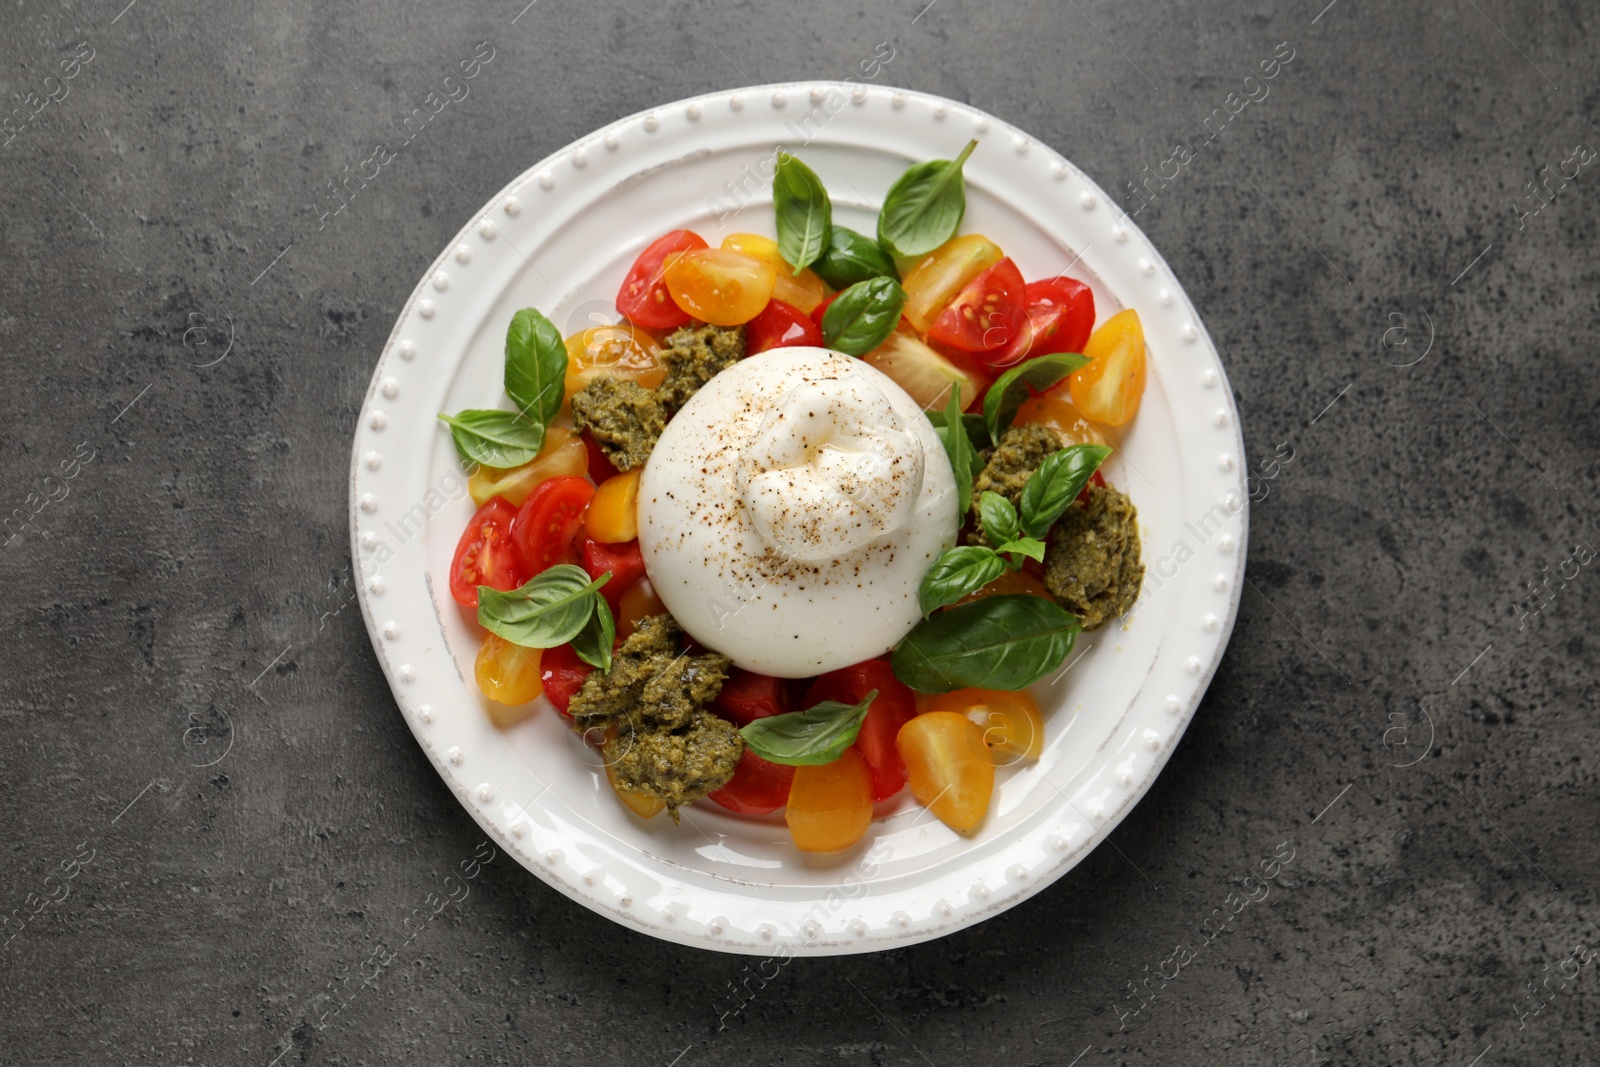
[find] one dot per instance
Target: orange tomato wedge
(619, 351)
(830, 807)
(562, 455)
(508, 675)
(1109, 389)
(614, 512)
(949, 767)
(1054, 408)
(1007, 583)
(639, 601)
(804, 290)
(641, 805)
(719, 286)
(1011, 724)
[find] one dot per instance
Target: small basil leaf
(923, 208)
(1031, 547)
(494, 438)
(551, 609)
(1000, 642)
(957, 572)
(536, 366)
(804, 212)
(863, 315)
(965, 463)
(594, 641)
(852, 257)
(998, 517)
(1052, 488)
(1011, 388)
(807, 738)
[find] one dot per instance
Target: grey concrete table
(213, 815)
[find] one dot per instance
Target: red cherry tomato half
(643, 297)
(758, 786)
(894, 706)
(600, 468)
(561, 673)
(624, 561)
(747, 696)
(780, 325)
(820, 310)
(988, 312)
(487, 553)
(549, 520)
(1058, 317)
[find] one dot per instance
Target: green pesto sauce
(626, 419)
(662, 739)
(1092, 563)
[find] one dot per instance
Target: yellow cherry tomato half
(614, 512)
(638, 602)
(1109, 389)
(948, 767)
(941, 274)
(1054, 408)
(622, 350)
(508, 675)
(804, 290)
(1010, 723)
(641, 804)
(830, 807)
(562, 455)
(718, 286)
(925, 374)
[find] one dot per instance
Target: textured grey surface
(190, 582)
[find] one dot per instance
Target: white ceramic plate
(560, 238)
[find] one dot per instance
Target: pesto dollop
(661, 738)
(1092, 563)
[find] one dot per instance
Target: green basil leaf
(594, 641)
(923, 208)
(1031, 547)
(998, 517)
(863, 315)
(1011, 388)
(964, 459)
(807, 738)
(957, 572)
(494, 438)
(551, 609)
(977, 432)
(999, 642)
(852, 257)
(536, 366)
(805, 214)
(1052, 488)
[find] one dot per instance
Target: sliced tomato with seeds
(487, 553)
(780, 325)
(894, 706)
(643, 297)
(549, 520)
(1058, 316)
(987, 314)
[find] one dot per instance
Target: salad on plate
(799, 529)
